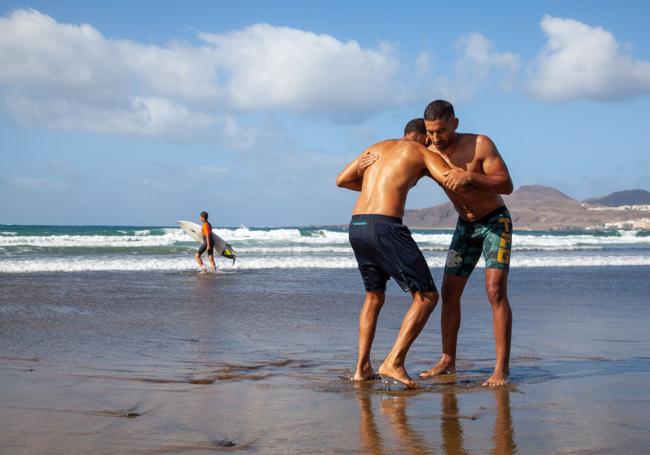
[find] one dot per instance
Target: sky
(143, 113)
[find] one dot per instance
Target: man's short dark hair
(204, 214)
(438, 110)
(415, 126)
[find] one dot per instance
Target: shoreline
(177, 362)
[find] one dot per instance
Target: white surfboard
(220, 245)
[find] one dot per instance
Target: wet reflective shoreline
(259, 363)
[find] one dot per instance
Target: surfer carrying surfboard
(383, 246)
(207, 245)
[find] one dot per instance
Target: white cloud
(145, 116)
(477, 62)
(72, 77)
(284, 67)
(584, 62)
(479, 58)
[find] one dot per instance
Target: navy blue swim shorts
(384, 248)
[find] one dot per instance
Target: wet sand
(259, 362)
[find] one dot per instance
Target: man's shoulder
(411, 146)
(383, 144)
(479, 142)
(399, 146)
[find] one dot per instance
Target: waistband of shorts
(373, 218)
(501, 210)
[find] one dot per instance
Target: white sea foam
(282, 235)
(296, 249)
(293, 241)
(83, 264)
(67, 241)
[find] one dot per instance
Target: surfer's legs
(367, 325)
(199, 261)
(496, 286)
(198, 254)
(214, 266)
(414, 321)
(452, 290)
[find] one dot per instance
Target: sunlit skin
(478, 175)
(474, 183)
(396, 167)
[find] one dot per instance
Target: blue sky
(148, 112)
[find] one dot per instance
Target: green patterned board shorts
(491, 236)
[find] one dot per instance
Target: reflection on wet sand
(395, 409)
(503, 434)
(371, 439)
(451, 428)
(412, 441)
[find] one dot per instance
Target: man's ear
(455, 123)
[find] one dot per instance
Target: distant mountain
(627, 197)
(540, 207)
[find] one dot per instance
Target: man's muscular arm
(435, 166)
(351, 177)
(495, 177)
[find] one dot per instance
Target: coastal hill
(544, 208)
(628, 197)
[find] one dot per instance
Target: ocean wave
(67, 241)
(283, 235)
(296, 240)
(80, 264)
(554, 241)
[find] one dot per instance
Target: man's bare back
(400, 164)
(384, 247)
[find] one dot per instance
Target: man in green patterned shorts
(490, 236)
(474, 185)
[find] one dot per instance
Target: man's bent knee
(428, 298)
(497, 293)
(450, 298)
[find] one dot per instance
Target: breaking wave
(89, 248)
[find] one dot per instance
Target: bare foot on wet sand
(497, 379)
(398, 374)
(364, 373)
(442, 367)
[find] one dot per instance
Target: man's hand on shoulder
(366, 160)
(351, 177)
